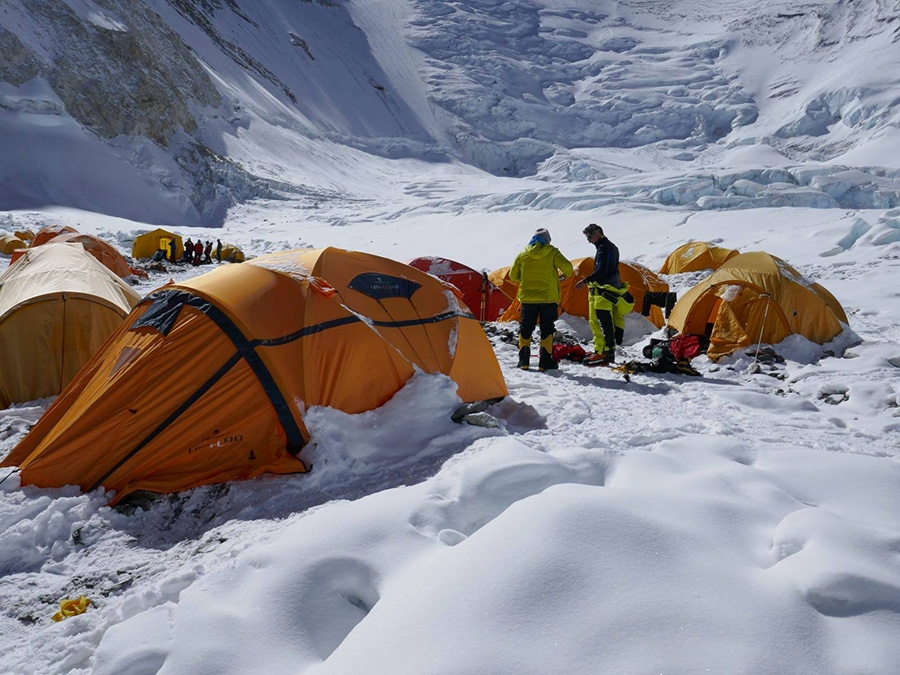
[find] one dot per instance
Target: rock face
(118, 71)
(210, 102)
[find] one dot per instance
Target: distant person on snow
(198, 252)
(207, 253)
(188, 251)
(172, 248)
(608, 298)
(537, 271)
(219, 250)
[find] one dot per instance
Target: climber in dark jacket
(609, 299)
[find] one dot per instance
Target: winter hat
(543, 234)
(591, 229)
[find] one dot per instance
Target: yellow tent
(9, 243)
(696, 255)
(756, 298)
(25, 235)
(208, 380)
(147, 244)
(57, 306)
(574, 301)
(231, 253)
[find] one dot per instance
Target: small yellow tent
(695, 256)
(10, 243)
(231, 253)
(756, 298)
(57, 306)
(208, 380)
(145, 245)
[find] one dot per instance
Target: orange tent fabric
(208, 380)
(695, 256)
(483, 298)
(756, 298)
(105, 253)
(45, 234)
(574, 301)
(25, 235)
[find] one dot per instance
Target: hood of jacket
(538, 250)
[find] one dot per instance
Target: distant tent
(45, 234)
(574, 301)
(483, 298)
(231, 253)
(147, 244)
(695, 256)
(500, 278)
(104, 252)
(25, 235)
(10, 243)
(57, 306)
(640, 280)
(756, 298)
(208, 380)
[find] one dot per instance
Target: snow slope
(734, 522)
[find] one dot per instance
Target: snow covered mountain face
(192, 106)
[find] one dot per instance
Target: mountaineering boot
(595, 359)
(524, 353)
(546, 362)
(610, 356)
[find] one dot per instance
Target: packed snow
(743, 521)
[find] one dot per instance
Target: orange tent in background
(640, 280)
(756, 298)
(25, 235)
(45, 234)
(574, 301)
(57, 307)
(208, 380)
(695, 256)
(104, 252)
(484, 299)
(500, 279)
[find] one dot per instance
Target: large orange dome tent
(757, 298)
(208, 380)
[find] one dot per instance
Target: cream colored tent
(695, 256)
(756, 298)
(57, 306)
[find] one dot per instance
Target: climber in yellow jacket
(537, 270)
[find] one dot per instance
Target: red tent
(484, 299)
